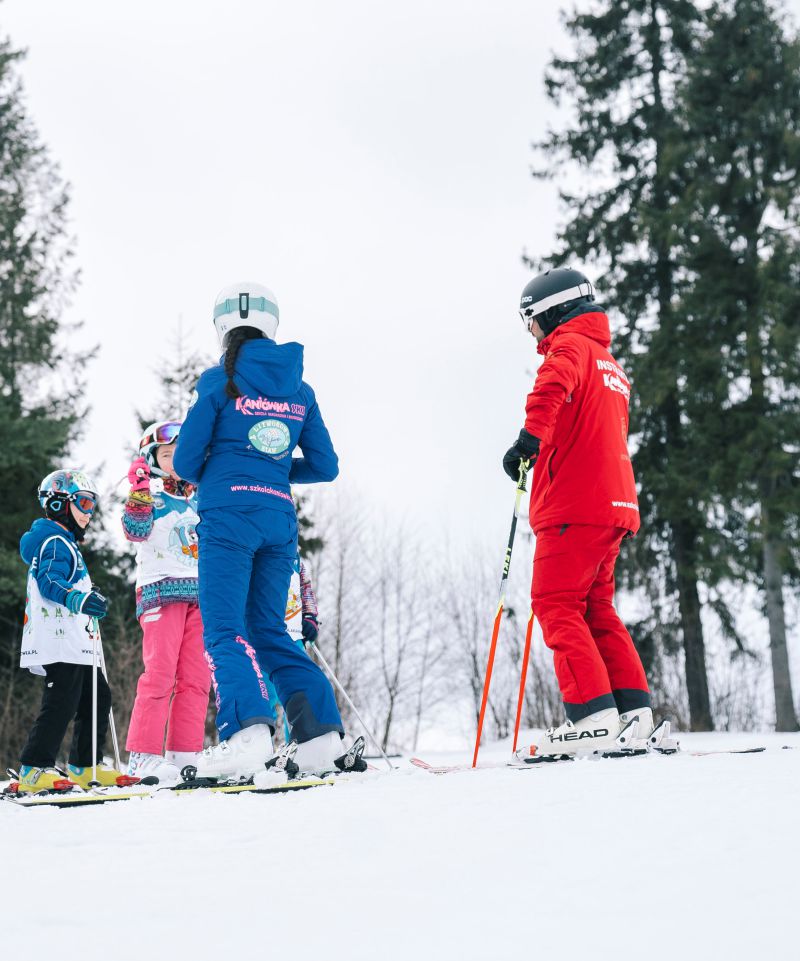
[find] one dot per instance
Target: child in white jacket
(160, 516)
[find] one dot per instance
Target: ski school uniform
(172, 692)
(583, 503)
(239, 452)
(58, 644)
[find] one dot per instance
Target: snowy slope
(646, 858)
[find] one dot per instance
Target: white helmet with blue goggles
(245, 305)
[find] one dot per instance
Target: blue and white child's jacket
(239, 451)
(51, 633)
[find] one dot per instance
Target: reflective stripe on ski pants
(572, 594)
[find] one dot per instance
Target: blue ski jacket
(239, 452)
(61, 565)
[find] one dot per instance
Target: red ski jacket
(578, 409)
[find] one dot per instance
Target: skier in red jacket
(583, 503)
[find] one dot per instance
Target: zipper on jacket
(549, 474)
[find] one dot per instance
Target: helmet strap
(57, 509)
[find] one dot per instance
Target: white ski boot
(318, 756)
(639, 735)
(240, 757)
(595, 734)
(660, 740)
(181, 758)
(637, 726)
(154, 768)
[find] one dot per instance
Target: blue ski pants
(245, 558)
(273, 694)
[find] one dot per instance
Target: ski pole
(343, 692)
(523, 474)
(523, 676)
(111, 723)
(94, 702)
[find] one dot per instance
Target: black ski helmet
(546, 298)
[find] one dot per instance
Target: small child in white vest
(59, 640)
(160, 517)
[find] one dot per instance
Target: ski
(450, 768)
(285, 774)
(79, 799)
(559, 758)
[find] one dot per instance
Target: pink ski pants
(175, 684)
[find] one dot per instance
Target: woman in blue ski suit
(248, 415)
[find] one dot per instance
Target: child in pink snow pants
(172, 693)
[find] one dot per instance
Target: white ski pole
(111, 723)
(352, 706)
(94, 702)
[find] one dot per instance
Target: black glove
(94, 604)
(526, 448)
(310, 629)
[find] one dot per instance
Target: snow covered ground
(644, 859)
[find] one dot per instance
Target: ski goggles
(528, 316)
(163, 434)
(84, 501)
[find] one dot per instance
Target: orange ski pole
(523, 474)
(523, 676)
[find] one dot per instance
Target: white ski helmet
(154, 436)
(245, 305)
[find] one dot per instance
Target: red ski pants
(573, 598)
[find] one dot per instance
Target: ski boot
(660, 741)
(322, 755)
(181, 758)
(637, 725)
(39, 780)
(153, 769)
(104, 775)
(595, 734)
(238, 758)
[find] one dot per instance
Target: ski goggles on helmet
(85, 501)
(162, 434)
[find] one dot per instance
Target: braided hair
(235, 340)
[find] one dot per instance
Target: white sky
(367, 161)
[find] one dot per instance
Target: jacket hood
(588, 319)
(41, 529)
(269, 368)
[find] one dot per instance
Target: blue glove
(310, 629)
(73, 601)
(93, 603)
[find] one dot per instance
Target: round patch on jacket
(270, 437)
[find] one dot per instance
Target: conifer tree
(739, 111)
(621, 139)
(41, 402)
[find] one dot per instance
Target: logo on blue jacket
(270, 437)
